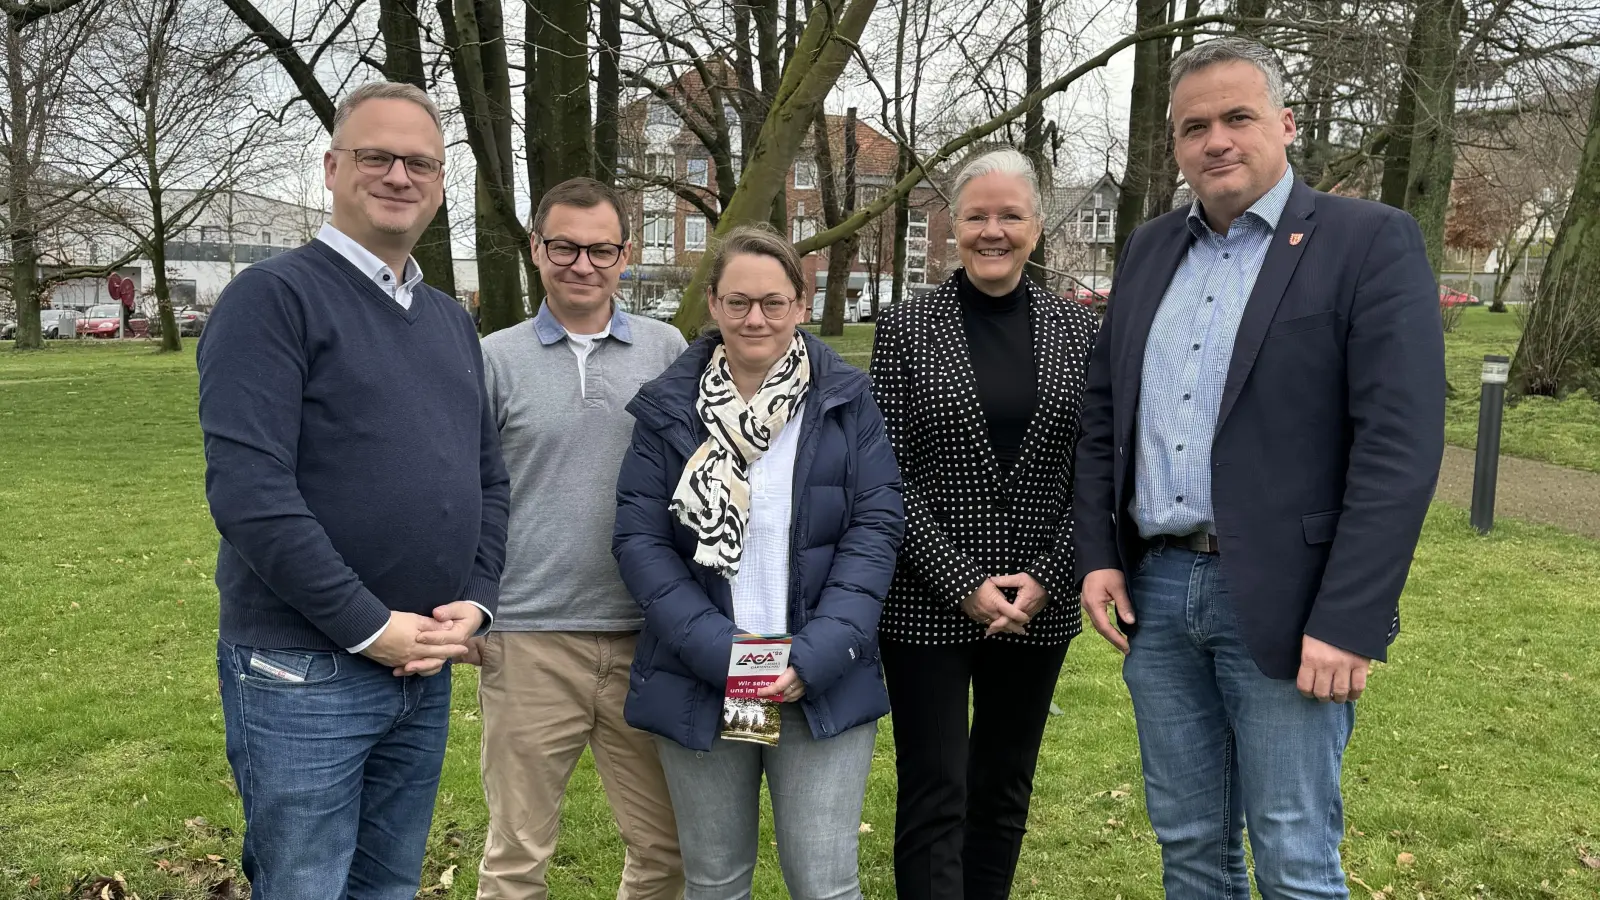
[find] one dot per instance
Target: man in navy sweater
(353, 470)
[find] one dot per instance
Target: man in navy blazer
(1261, 435)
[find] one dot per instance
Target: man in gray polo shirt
(555, 668)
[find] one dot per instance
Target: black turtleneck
(1000, 341)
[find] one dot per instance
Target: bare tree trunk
(1164, 181)
(402, 62)
(19, 169)
(1146, 111)
(771, 66)
(1402, 125)
(835, 203)
(561, 75)
(1560, 347)
(608, 92)
(475, 33)
(820, 56)
(902, 163)
(1033, 132)
(1432, 161)
(171, 341)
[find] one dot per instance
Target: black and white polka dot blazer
(964, 521)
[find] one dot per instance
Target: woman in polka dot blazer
(980, 383)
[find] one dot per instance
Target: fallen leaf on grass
(1405, 860)
(866, 828)
(114, 887)
(447, 878)
(1592, 862)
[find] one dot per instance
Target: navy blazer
(1329, 435)
(846, 532)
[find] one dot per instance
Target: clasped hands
(989, 607)
(419, 645)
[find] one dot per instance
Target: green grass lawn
(1565, 432)
(1477, 753)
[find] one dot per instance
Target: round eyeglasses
(773, 306)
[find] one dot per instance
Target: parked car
(53, 324)
(102, 322)
(191, 321)
(1088, 297)
(1449, 296)
(58, 323)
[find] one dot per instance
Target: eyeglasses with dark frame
(564, 253)
(373, 161)
(773, 306)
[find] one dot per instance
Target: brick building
(663, 159)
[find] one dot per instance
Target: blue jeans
(1224, 746)
(337, 762)
(817, 790)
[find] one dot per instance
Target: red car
(1089, 297)
(1449, 296)
(102, 322)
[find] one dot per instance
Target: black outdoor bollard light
(1491, 408)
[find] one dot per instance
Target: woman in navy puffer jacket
(760, 496)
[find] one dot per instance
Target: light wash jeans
(817, 789)
(1224, 746)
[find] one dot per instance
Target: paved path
(1535, 491)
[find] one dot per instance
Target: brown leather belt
(1199, 542)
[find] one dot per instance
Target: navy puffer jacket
(848, 522)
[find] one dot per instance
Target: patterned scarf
(713, 495)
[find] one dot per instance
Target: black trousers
(962, 804)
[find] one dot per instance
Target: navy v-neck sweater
(352, 463)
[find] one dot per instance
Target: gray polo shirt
(563, 436)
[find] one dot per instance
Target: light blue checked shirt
(1186, 363)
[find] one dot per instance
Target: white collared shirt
(372, 266)
(582, 345)
(761, 587)
(401, 291)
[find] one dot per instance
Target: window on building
(917, 226)
(210, 234)
(917, 247)
(266, 238)
(694, 232)
(805, 174)
(698, 171)
(738, 168)
(659, 113)
(802, 227)
(658, 239)
(660, 199)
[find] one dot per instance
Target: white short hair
(1000, 162)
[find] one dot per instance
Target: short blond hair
(383, 90)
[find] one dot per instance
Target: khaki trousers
(545, 696)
